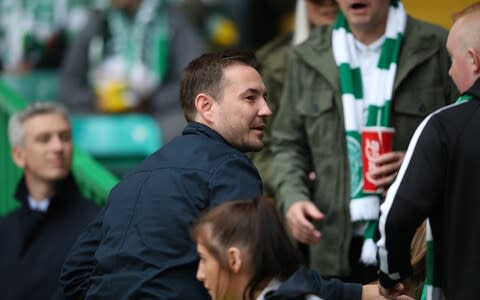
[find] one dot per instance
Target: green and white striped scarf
(431, 289)
(27, 24)
(143, 40)
(365, 207)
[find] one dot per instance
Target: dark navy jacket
(33, 244)
(139, 247)
(306, 282)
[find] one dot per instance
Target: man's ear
(18, 156)
(204, 105)
(235, 259)
(475, 57)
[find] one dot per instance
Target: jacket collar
(299, 284)
(418, 46)
(474, 90)
(201, 129)
(66, 189)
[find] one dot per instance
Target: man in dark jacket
(36, 237)
(139, 247)
(438, 180)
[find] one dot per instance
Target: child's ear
(235, 259)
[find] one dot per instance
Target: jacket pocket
(321, 121)
(409, 110)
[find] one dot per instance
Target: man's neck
(367, 37)
(39, 190)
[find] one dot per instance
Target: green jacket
(309, 128)
(272, 58)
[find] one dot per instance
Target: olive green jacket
(309, 128)
(273, 64)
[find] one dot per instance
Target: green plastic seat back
(119, 142)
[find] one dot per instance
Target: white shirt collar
(273, 285)
(38, 205)
(376, 46)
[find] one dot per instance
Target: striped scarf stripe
(365, 207)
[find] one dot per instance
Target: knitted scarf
(136, 52)
(431, 290)
(143, 40)
(365, 207)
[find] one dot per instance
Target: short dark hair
(205, 74)
(255, 225)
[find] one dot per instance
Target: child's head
(242, 246)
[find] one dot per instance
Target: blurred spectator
(273, 58)
(34, 33)
(36, 237)
(129, 58)
(233, 24)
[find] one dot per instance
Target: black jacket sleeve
(410, 200)
(80, 262)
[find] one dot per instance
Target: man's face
(210, 274)
(241, 114)
(46, 151)
(321, 12)
(365, 15)
(461, 69)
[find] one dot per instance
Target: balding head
(463, 44)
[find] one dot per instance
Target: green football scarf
(143, 40)
(431, 290)
(365, 207)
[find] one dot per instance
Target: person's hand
(396, 292)
(299, 217)
(387, 166)
(371, 292)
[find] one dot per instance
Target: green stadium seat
(118, 142)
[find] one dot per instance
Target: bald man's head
(463, 44)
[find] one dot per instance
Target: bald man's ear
(475, 57)
(204, 105)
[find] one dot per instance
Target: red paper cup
(376, 140)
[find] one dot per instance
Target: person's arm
(409, 201)
(292, 162)
(80, 262)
